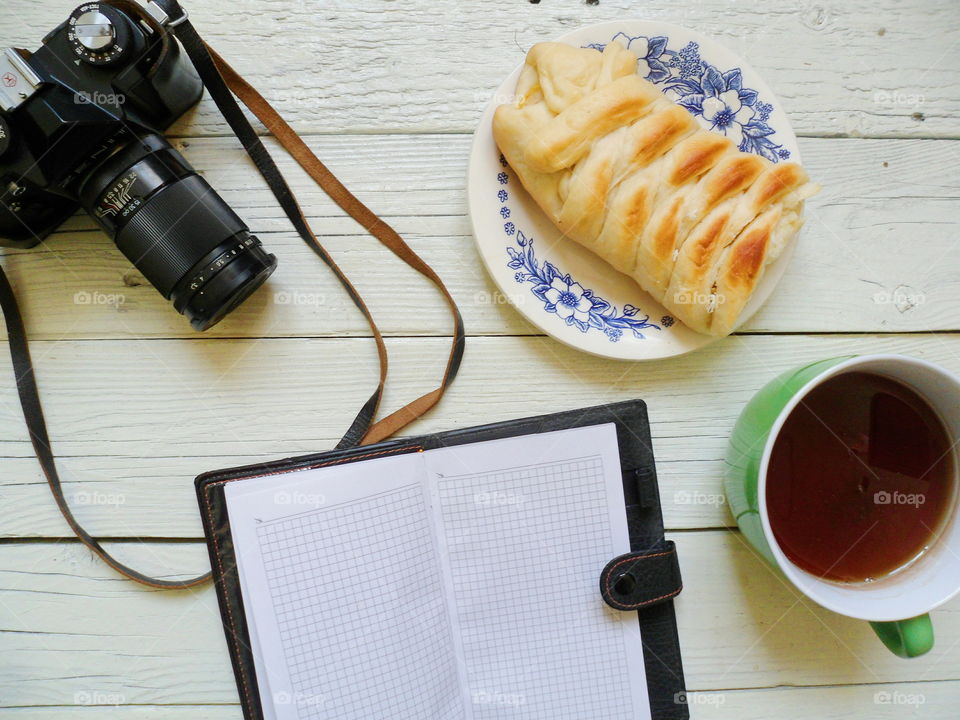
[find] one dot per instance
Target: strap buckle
(161, 16)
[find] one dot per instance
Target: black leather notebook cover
(651, 582)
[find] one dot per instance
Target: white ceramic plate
(547, 277)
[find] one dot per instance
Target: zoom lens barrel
(176, 230)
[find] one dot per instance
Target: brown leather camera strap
(222, 82)
(299, 150)
(220, 79)
(37, 427)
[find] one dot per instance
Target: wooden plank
(863, 67)
(892, 701)
(739, 628)
(153, 497)
(937, 700)
(137, 420)
(876, 256)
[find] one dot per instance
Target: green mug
(896, 606)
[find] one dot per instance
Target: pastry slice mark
(673, 225)
(740, 268)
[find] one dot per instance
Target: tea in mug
(861, 479)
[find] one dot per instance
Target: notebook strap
(363, 430)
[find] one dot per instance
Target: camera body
(81, 123)
(78, 107)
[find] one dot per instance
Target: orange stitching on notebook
(636, 606)
(209, 513)
(635, 559)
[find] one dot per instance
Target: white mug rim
(787, 567)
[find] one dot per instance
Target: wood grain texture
(933, 700)
(137, 420)
(859, 67)
(74, 630)
(877, 253)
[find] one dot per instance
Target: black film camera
(81, 124)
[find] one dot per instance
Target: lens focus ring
(176, 229)
(172, 232)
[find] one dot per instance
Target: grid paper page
(263, 680)
(453, 583)
(349, 603)
(525, 532)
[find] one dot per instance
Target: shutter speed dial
(98, 34)
(94, 31)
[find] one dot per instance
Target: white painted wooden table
(389, 93)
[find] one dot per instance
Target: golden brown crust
(628, 212)
(659, 132)
(631, 176)
(704, 247)
(746, 258)
(568, 136)
(697, 154)
(740, 269)
(665, 231)
(731, 175)
(778, 182)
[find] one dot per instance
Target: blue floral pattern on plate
(719, 98)
(564, 296)
(714, 95)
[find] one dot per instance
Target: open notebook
(453, 583)
(454, 574)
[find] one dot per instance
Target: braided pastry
(632, 176)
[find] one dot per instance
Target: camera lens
(176, 230)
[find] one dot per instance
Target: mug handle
(906, 638)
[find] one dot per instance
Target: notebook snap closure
(625, 584)
(642, 578)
